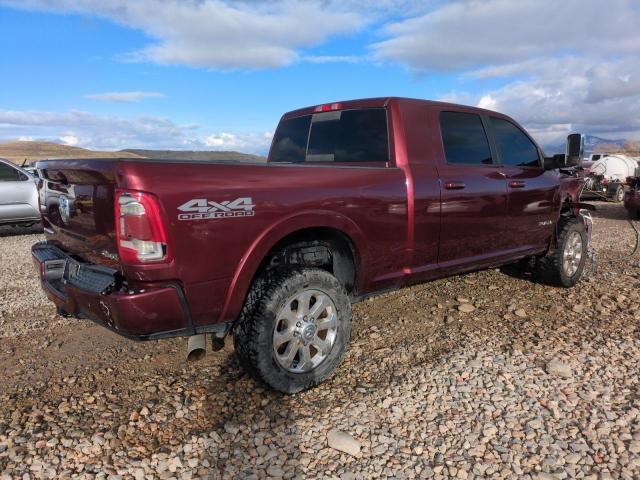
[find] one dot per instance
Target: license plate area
(86, 276)
(71, 270)
(59, 269)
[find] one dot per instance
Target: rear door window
(516, 149)
(343, 136)
(464, 138)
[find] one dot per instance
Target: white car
(18, 196)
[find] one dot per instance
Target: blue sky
(216, 74)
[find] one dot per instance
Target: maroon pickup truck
(356, 198)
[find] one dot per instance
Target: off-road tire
(253, 333)
(550, 267)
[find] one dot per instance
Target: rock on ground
(343, 442)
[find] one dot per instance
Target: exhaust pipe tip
(196, 347)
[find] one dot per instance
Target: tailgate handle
(454, 185)
(517, 184)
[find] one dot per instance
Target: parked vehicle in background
(632, 197)
(357, 198)
(597, 156)
(18, 196)
(33, 171)
(587, 161)
(606, 177)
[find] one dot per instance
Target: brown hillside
(18, 151)
(199, 155)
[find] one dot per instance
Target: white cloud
(560, 65)
(239, 141)
(70, 140)
(564, 66)
(574, 94)
(488, 102)
(216, 33)
(467, 34)
(219, 139)
(123, 97)
(115, 133)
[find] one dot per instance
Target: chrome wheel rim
(620, 195)
(305, 331)
(572, 254)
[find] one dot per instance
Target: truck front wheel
(565, 265)
(294, 328)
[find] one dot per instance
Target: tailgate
(76, 201)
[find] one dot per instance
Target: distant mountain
(590, 143)
(200, 155)
(30, 151)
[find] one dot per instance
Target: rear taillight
(140, 231)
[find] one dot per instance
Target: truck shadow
(520, 271)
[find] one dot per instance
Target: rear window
(341, 136)
(290, 141)
(464, 138)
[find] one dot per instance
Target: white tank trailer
(606, 177)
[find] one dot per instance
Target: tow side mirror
(572, 156)
(574, 150)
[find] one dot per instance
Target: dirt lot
(535, 382)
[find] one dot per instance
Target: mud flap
(587, 220)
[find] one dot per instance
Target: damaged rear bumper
(95, 292)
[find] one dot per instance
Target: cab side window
(9, 174)
(516, 149)
(465, 141)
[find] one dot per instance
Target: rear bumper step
(84, 290)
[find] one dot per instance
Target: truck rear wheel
(294, 329)
(565, 265)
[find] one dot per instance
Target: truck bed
(210, 251)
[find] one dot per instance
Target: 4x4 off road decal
(202, 209)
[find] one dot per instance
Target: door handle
(517, 184)
(454, 185)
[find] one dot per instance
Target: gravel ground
(532, 382)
